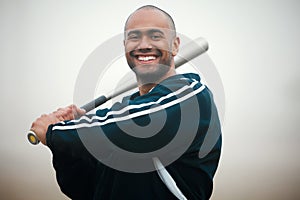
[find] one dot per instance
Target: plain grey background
(254, 45)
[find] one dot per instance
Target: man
(151, 43)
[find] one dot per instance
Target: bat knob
(32, 138)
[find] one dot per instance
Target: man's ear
(175, 47)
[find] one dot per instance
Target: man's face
(150, 44)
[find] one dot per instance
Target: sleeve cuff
(48, 136)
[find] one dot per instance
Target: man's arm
(73, 173)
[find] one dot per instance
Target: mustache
(137, 52)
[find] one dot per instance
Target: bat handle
(95, 103)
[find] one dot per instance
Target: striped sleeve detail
(85, 122)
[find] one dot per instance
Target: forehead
(147, 18)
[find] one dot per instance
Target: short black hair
(151, 7)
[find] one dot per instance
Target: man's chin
(149, 75)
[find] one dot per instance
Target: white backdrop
(254, 45)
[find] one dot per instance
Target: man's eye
(133, 37)
(156, 37)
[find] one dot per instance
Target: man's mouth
(146, 58)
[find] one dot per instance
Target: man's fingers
(39, 126)
(69, 113)
(80, 112)
(77, 112)
(64, 113)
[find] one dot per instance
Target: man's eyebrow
(133, 32)
(151, 31)
(155, 31)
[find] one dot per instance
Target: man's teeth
(146, 58)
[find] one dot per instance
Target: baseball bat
(186, 53)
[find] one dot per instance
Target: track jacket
(113, 154)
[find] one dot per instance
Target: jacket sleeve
(74, 165)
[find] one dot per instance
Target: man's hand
(40, 125)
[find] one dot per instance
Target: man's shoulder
(178, 83)
(168, 90)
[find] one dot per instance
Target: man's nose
(145, 43)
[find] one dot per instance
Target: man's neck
(145, 88)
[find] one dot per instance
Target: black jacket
(94, 156)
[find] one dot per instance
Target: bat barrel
(190, 51)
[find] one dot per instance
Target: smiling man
(170, 105)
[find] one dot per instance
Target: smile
(146, 58)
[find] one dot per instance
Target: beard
(152, 73)
(153, 76)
